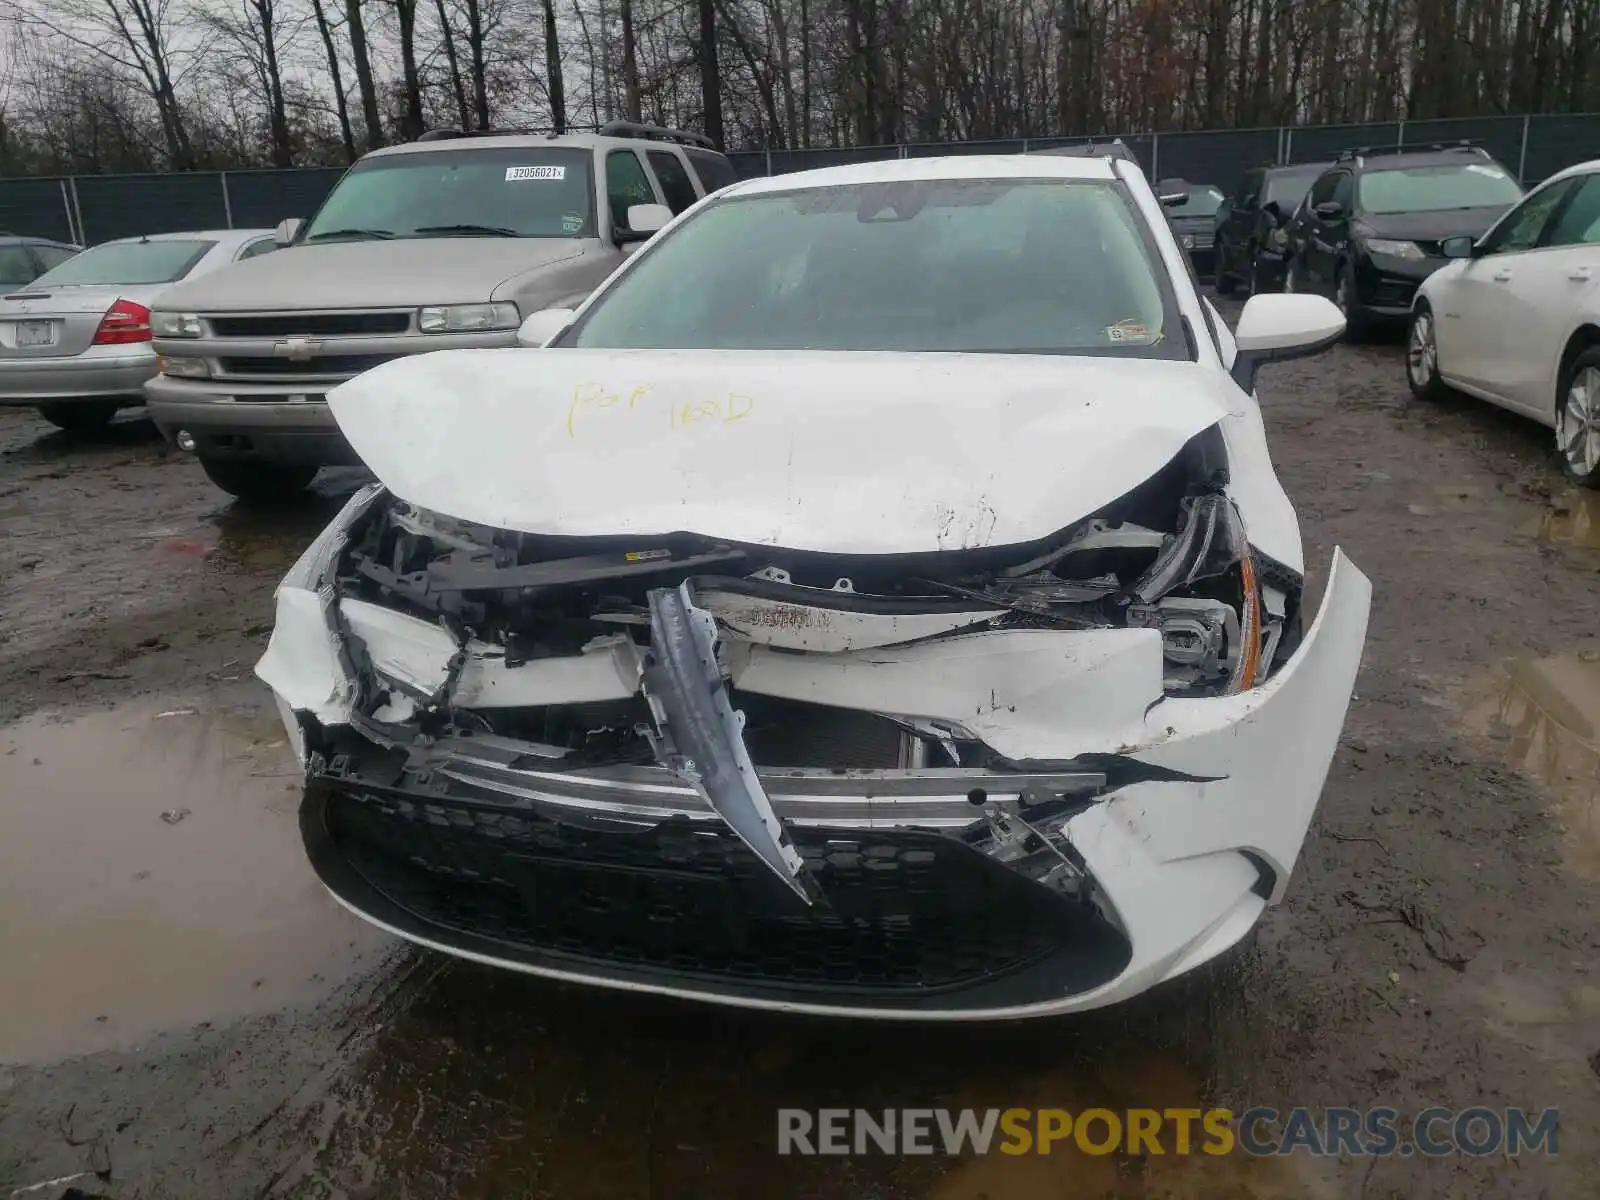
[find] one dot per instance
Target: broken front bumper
(912, 892)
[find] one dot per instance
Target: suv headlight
(1394, 249)
(468, 318)
(174, 324)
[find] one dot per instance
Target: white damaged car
(876, 599)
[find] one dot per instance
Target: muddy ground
(183, 1013)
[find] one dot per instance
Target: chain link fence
(93, 208)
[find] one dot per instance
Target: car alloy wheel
(1422, 353)
(1578, 425)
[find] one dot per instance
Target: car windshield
(978, 265)
(474, 191)
(129, 263)
(1289, 188)
(1435, 189)
(1203, 201)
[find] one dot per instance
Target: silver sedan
(75, 343)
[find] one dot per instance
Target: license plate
(35, 333)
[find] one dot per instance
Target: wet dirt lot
(184, 1013)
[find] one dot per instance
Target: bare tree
(256, 32)
(335, 78)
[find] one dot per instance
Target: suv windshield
(1025, 266)
(473, 191)
(1434, 189)
(127, 263)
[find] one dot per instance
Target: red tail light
(125, 322)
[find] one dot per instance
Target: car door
(1537, 303)
(1328, 229)
(1472, 304)
(1242, 210)
(1308, 232)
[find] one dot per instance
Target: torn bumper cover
(1114, 835)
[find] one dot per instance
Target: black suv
(1368, 232)
(1252, 234)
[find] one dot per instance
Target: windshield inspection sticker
(1129, 332)
(514, 174)
(572, 223)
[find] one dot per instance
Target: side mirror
(1461, 246)
(1275, 327)
(1329, 210)
(542, 327)
(1273, 210)
(287, 231)
(644, 221)
(1172, 192)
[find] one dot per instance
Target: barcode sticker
(516, 173)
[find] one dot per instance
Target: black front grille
(1431, 248)
(323, 364)
(907, 912)
(310, 324)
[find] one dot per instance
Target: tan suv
(446, 242)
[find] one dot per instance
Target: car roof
(221, 236)
(1383, 159)
(1115, 147)
(1583, 168)
(526, 141)
(956, 166)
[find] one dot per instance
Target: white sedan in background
(75, 342)
(1515, 320)
(877, 599)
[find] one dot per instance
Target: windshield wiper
(381, 235)
(479, 230)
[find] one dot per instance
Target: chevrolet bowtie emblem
(296, 349)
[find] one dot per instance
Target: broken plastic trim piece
(700, 738)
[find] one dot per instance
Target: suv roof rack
(656, 133)
(1465, 146)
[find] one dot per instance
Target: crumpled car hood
(837, 452)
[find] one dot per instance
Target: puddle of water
(1549, 709)
(1572, 521)
(1067, 1173)
(151, 877)
(491, 1085)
